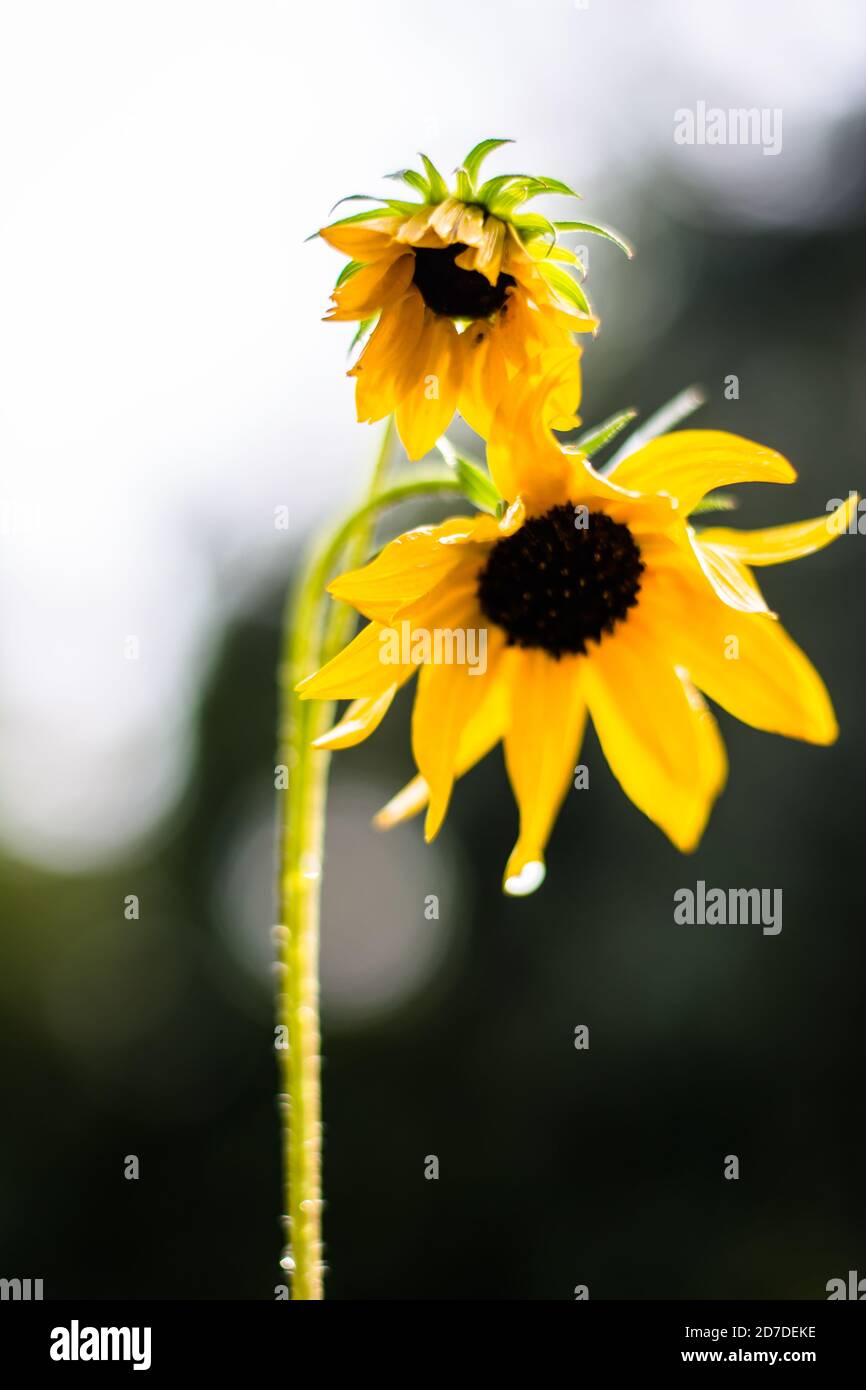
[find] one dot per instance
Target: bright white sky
(166, 379)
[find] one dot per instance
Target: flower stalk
(314, 629)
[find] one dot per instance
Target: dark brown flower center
(455, 293)
(562, 580)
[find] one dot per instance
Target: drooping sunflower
(464, 288)
(595, 596)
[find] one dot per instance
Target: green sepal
(595, 439)
(662, 421)
(597, 231)
(545, 185)
(403, 208)
(349, 269)
(438, 186)
(489, 190)
(364, 216)
(463, 189)
(413, 179)
(363, 328)
(355, 198)
(476, 156)
(503, 202)
(718, 502)
(566, 286)
(476, 482)
(532, 226)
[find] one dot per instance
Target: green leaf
(606, 232)
(349, 269)
(596, 438)
(565, 285)
(476, 156)
(719, 502)
(476, 483)
(414, 180)
(438, 186)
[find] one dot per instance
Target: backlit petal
(690, 463)
(363, 241)
(542, 741)
(373, 288)
(481, 732)
(745, 662)
(358, 671)
(777, 544)
(426, 408)
(661, 742)
(360, 720)
(447, 697)
(731, 580)
(522, 454)
(410, 566)
(386, 368)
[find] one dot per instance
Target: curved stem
(310, 639)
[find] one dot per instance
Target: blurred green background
(455, 1037)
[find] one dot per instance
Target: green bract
(502, 197)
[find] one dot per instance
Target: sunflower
(591, 595)
(464, 289)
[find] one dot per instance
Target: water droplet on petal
(531, 876)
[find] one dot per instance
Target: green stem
(310, 639)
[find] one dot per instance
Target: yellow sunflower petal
(470, 230)
(426, 409)
(690, 463)
(385, 370)
(359, 671)
(409, 567)
(483, 375)
(542, 741)
(445, 219)
(660, 741)
(361, 719)
(415, 229)
(488, 254)
(777, 544)
(731, 580)
(447, 697)
(363, 241)
(523, 332)
(745, 662)
(373, 288)
(482, 731)
(522, 454)
(525, 459)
